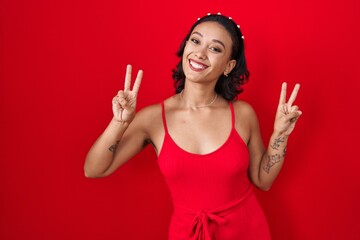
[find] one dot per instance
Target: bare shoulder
(149, 115)
(155, 110)
(150, 122)
(245, 119)
(151, 110)
(244, 109)
(153, 113)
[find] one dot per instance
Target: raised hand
(124, 103)
(287, 114)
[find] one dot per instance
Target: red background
(61, 62)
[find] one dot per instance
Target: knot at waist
(200, 229)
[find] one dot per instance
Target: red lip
(197, 69)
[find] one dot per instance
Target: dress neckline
(230, 135)
(167, 135)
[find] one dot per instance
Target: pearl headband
(230, 18)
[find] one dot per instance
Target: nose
(201, 52)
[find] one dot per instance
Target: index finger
(128, 78)
(137, 83)
(283, 93)
(294, 94)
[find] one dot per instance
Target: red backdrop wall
(61, 62)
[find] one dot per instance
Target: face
(207, 53)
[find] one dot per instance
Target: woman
(209, 145)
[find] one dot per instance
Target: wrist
(279, 138)
(118, 123)
(282, 134)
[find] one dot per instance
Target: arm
(265, 165)
(105, 156)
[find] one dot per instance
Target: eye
(215, 49)
(194, 40)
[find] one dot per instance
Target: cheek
(187, 50)
(218, 62)
(184, 61)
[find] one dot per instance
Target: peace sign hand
(124, 103)
(287, 114)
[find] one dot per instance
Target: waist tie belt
(200, 227)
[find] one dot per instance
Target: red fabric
(212, 195)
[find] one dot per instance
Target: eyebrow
(214, 40)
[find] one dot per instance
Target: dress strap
(232, 114)
(163, 116)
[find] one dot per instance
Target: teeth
(196, 65)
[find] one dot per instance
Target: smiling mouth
(196, 66)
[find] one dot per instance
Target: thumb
(293, 116)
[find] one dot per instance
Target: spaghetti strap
(232, 114)
(163, 117)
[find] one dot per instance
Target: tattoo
(277, 143)
(112, 148)
(284, 152)
(271, 161)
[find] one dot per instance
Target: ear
(229, 66)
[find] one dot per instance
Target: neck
(198, 98)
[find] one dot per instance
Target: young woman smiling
(208, 144)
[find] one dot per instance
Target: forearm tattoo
(277, 142)
(112, 148)
(271, 160)
(284, 152)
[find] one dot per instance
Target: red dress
(212, 195)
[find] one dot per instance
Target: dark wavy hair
(228, 87)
